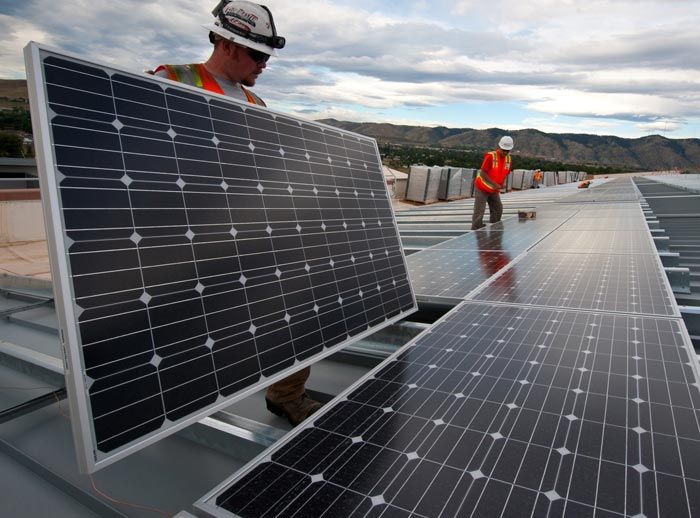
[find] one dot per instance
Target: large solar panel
(631, 283)
(587, 222)
(200, 247)
(615, 213)
(449, 271)
(499, 411)
(513, 240)
(447, 276)
(597, 241)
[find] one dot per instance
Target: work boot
(296, 410)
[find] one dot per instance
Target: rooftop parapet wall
(21, 217)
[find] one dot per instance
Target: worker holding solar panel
(489, 181)
(244, 38)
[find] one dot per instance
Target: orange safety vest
(484, 182)
(538, 176)
(196, 74)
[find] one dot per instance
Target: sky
(607, 67)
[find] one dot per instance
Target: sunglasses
(257, 56)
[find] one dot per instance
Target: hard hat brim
(240, 40)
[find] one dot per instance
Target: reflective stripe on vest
(483, 181)
(196, 74)
(494, 156)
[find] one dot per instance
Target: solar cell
(498, 411)
(514, 241)
(450, 275)
(556, 211)
(587, 222)
(605, 194)
(597, 241)
(543, 224)
(200, 247)
(631, 283)
(615, 212)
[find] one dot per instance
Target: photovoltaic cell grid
(452, 274)
(556, 212)
(586, 222)
(616, 190)
(514, 241)
(597, 241)
(631, 283)
(447, 272)
(608, 211)
(500, 411)
(209, 245)
(540, 225)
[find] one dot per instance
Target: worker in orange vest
(489, 181)
(537, 178)
(244, 37)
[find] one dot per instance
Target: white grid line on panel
(585, 315)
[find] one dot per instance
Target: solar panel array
(603, 282)
(448, 272)
(563, 407)
(597, 241)
(452, 274)
(201, 247)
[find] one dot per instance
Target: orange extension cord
(92, 480)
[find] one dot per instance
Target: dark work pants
(495, 208)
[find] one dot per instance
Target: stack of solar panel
(423, 184)
(450, 183)
(467, 188)
(518, 178)
(549, 178)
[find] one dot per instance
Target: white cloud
(660, 126)
(16, 34)
(577, 103)
(620, 60)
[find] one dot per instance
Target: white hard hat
(506, 143)
(248, 24)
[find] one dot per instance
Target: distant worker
(537, 178)
(244, 37)
(490, 179)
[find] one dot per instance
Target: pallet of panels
(528, 179)
(423, 184)
(467, 187)
(450, 183)
(549, 178)
(507, 184)
(517, 175)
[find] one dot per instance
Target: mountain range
(651, 153)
